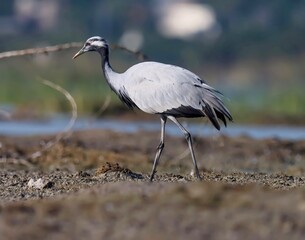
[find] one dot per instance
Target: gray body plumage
(158, 88)
(163, 89)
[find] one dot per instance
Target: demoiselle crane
(166, 90)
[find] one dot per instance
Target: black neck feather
(104, 52)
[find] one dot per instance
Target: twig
(99, 111)
(140, 55)
(42, 50)
(105, 105)
(66, 132)
(60, 47)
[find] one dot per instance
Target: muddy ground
(95, 185)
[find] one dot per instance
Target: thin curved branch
(67, 130)
(139, 55)
(60, 47)
(41, 50)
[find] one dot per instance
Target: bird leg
(159, 148)
(189, 140)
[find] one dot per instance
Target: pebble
(39, 184)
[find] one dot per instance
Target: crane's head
(93, 44)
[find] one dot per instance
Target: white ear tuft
(98, 44)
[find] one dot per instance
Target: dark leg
(159, 148)
(188, 138)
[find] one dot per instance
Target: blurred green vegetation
(257, 61)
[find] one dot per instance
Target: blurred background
(252, 51)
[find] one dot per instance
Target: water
(58, 124)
